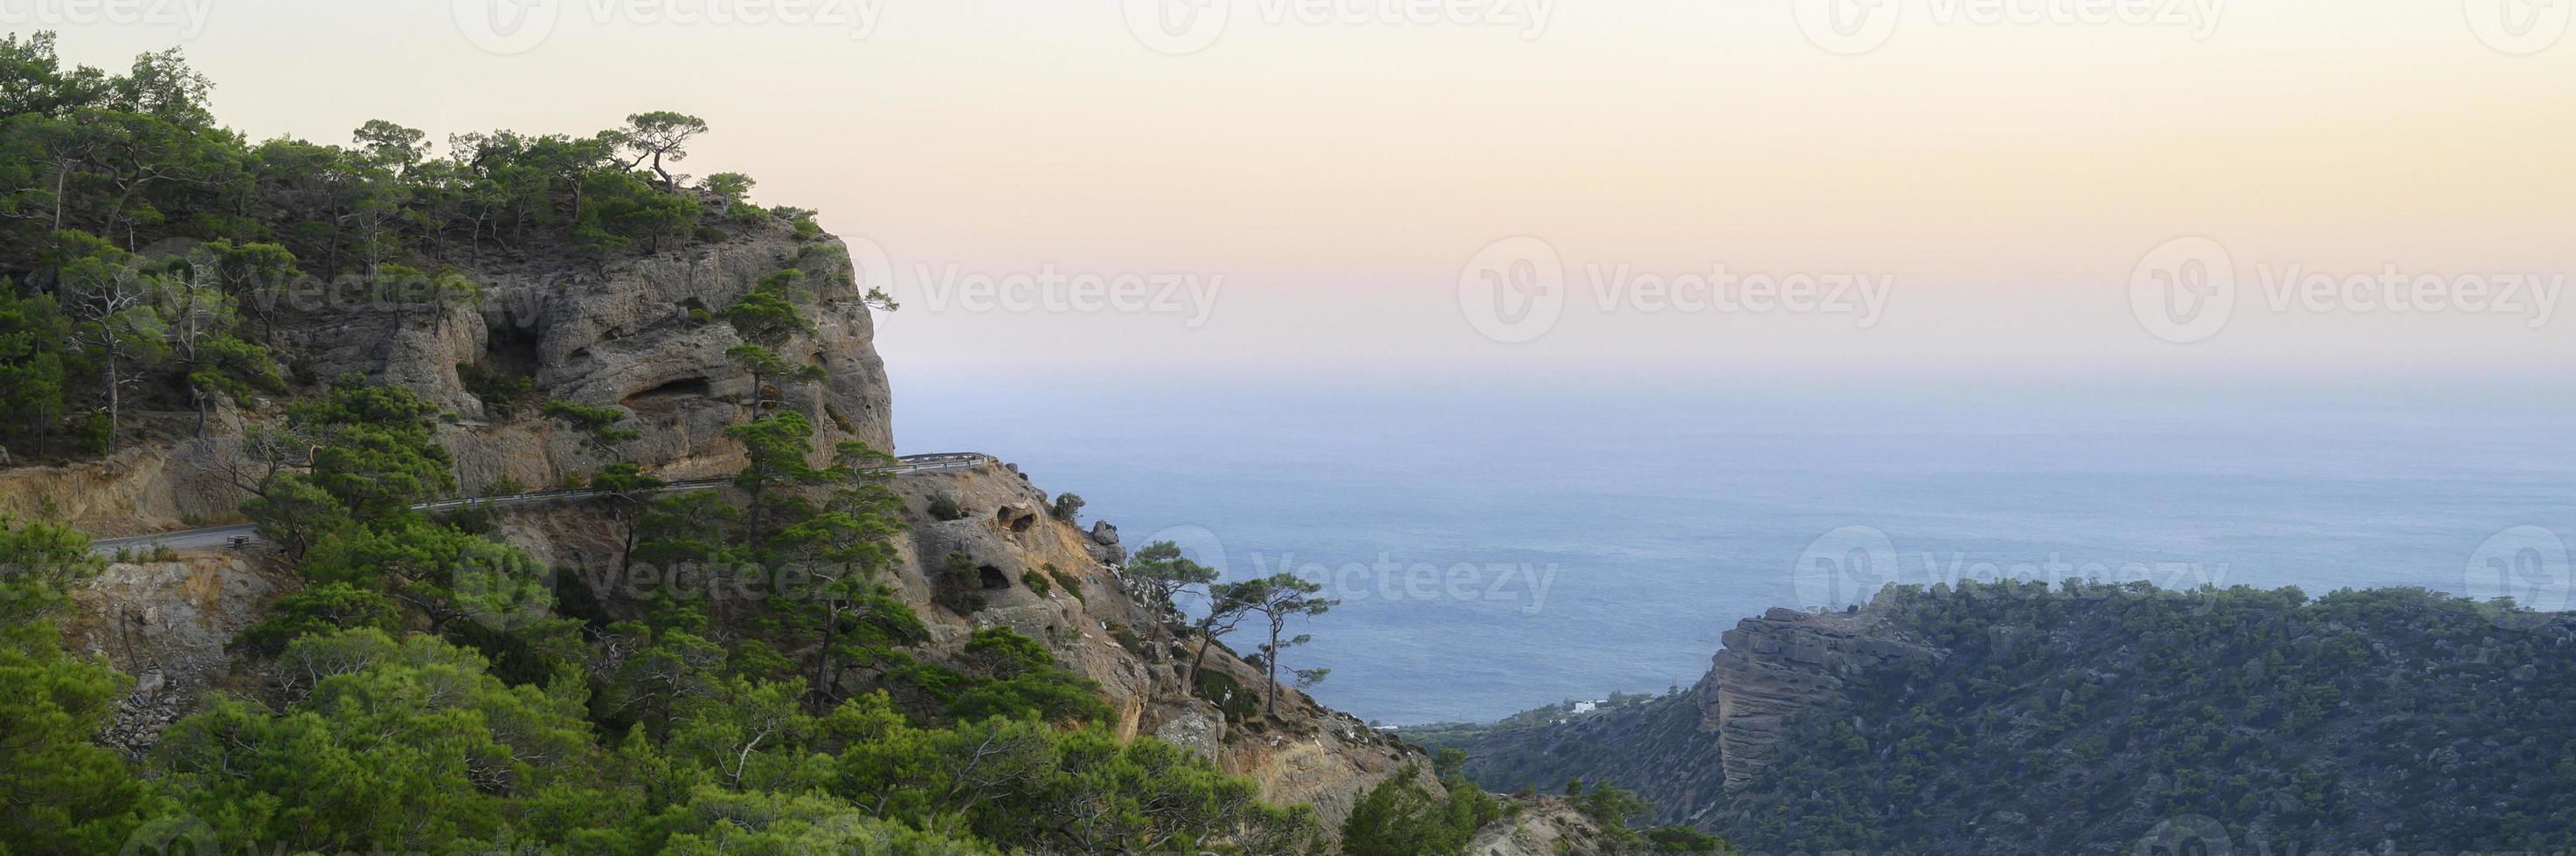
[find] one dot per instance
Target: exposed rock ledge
(1784, 663)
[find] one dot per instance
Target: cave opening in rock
(670, 394)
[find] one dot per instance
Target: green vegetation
(1067, 507)
(1279, 598)
(429, 687)
(1159, 574)
(2095, 712)
(148, 254)
(1400, 817)
(437, 697)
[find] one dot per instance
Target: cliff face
(1783, 664)
(640, 332)
(1688, 751)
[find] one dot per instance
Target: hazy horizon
(1338, 189)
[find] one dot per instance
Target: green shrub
(503, 394)
(1072, 584)
(1238, 704)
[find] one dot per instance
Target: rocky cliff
(1685, 752)
(1779, 666)
(635, 331)
(1053, 581)
(641, 333)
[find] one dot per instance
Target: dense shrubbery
(1400, 817)
(2094, 713)
(435, 697)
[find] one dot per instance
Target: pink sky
(1327, 177)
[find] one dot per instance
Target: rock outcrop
(1055, 582)
(643, 333)
(1782, 664)
(1545, 826)
(1687, 752)
(167, 624)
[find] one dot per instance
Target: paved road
(220, 536)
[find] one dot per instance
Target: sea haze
(1501, 546)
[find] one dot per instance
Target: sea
(1501, 544)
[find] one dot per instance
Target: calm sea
(1501, 546)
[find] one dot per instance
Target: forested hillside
(2021, 718)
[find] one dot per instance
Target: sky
(1504, 188)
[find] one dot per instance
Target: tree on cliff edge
(1278, 598)
(659, 136)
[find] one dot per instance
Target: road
(220, 536)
